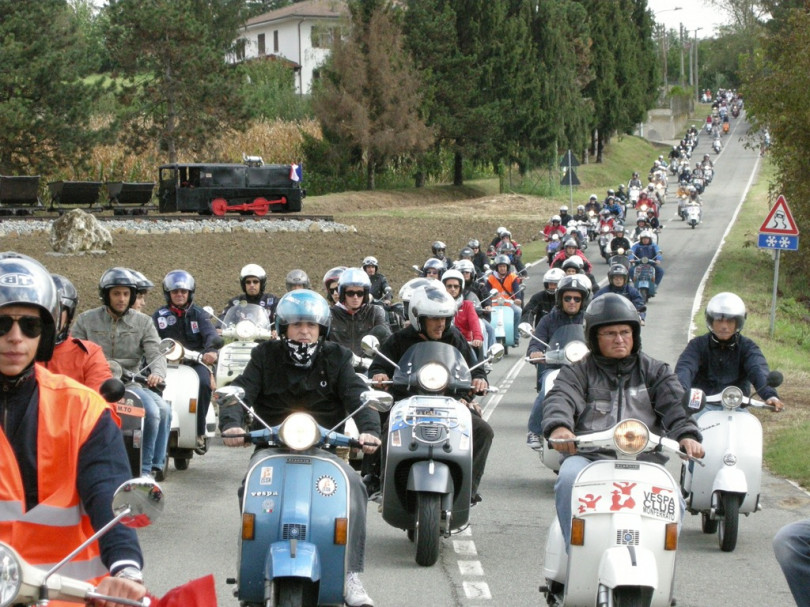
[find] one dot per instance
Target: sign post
(780, 233)
(567, 164)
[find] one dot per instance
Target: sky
(693, 14)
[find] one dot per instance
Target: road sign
(569, 160)
(782, 243)
(779, 221)
(570, 178)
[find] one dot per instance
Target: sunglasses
(572, 298)
(355, 294)
(31, 326)
(252, 282)
(333, 290)
(452, 286)
(614, 335)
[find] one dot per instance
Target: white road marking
(465, 547)
(471, 568)
(477, 590)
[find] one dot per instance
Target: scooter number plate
(127, 409)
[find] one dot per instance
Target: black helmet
(611, 309)
(24, 281)
(438, 248)
(256, 271)
(618, 269)
(68, 302)
(142, 282)
(573, 282)
(178, 279)
(117, 277)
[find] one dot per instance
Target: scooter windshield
(427, 358)
(566, 334)
(247, 311)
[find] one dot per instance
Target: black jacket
(329, 390)
(193, 329)
(349, 329)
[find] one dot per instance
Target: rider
(542, 302)
(554, 226)
(354, 316)
(303, 371)
(433, 268)
(187, 323)
(479, 259)
(565, 218)
(144, 285)
(79, 359)
(380, 291)
(508, 284)
(581, 214)
(430, 313)
(615, 381)
(619, 240)
(439, 250)
(128, 337)
(635, 182)
(570, 249)
(509, 247)
(645, 247)
(466, 319)
(330, 283)
(593, 204)
(571, 299)
(296, 279)
(618, 282)
(62, 454)
(253, 280)
(723, 357)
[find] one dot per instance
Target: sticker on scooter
(658, 503)
(622, 498)
(326, 486)
(266, 476)
(264, 494)
(588, 502)
(127, 408)
(268, 506)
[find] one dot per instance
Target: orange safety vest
(507, 286)
(58, 524)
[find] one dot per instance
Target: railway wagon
(218, 189)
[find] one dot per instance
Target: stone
(78, 231)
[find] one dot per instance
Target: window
(323, 37)
(275, 41)
(262, 50)
(240, 49)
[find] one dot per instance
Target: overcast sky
(693, 14)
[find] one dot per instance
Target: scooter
(428, 458)
(693, 214)
(729, 483)
(295, 510)
(633, 193)
(502, 319)
(567, 346)
(644, 278)
(624, 528)
(243, 327)
(136, 503)
(717, 145)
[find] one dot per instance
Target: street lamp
(695, 44)
(663, 32)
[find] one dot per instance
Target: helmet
(660, 156)
(581, 208)
(506, 248)
(651, 186)
(453, 273)
(256, 271)
(563, 209)
(303, 305)
(657, 163)
(604, 212)
(438, 249)
(635, 174)
(500, 260)
(142, 282)
(645, 234)
(570, 243)
(430, 301)
(621, 188)
(642, 217)
(593, 197)
(117, 277)
(178, 279)
(68, 302)
(464, 265)
(556, 218)
(618, 228)
(407, 290)
(474, 243)
(354, 277)
(24, 281)
(726, 305)
(575, 261)
(465, 253)
(611, 309)
(500, 230)
(618, 269)
(574, 282)
(553, 276)
(611, 193)
(370, 261)
(434, 264)
(296, 278)
(332, 275)
(697, 165)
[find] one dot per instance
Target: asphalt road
(498, 559)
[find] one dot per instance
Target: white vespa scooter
(624, 528)
(729, 483)
(243, 327)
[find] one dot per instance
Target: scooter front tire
(630, 596)
(428, 528)
(729, 524)
(294, 592)
(502, 341)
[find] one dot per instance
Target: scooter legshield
(295, 498)
(232, 360)
(181, 393)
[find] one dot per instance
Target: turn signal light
(341, 531)
(577, 531)
(671, 536)
(248, 526)
(192, 405)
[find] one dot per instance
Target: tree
(180, 90)
(45, 106)
(368, 98)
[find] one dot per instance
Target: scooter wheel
(181, 463)
(428, 528)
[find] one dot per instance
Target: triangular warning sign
(780, 220)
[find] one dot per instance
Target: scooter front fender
(730, 480)
(293, 559)
(628, 566)
(430, 476)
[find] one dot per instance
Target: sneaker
(202, 446)
(157, 474)
(355, 595)
(534, 441)
(476, 498)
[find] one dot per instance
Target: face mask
(301, 354)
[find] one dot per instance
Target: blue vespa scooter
(295, 510)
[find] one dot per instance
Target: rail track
(145, 217)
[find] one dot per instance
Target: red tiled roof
(310, 8)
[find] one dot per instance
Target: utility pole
(697, 47)
(680, 34)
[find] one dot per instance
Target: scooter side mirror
(115, 368)
(143, 498)
(210, 310)
(112, 390)
(228, 395)
(369, 344)
(496, 352)
(378, 400)
(775, 379)
(165, 346)
(525, 329)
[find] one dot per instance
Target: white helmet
(253, 269)
(406, 291)
(556, 218)
(553, 276)
(726, 305)
(453, 273)
(500, 230)
(430, 301)
(645, 234)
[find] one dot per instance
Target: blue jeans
(489, 337)
(156, 428)
(791, 545)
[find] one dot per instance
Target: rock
(77, 231)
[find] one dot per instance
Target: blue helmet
(303, 305)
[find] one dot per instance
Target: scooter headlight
(433, 377)
(731, 397)
(575, 351)
(299, 431)
(245, 330)
(10, 575)
(631, 436)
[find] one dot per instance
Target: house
(300, 34)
